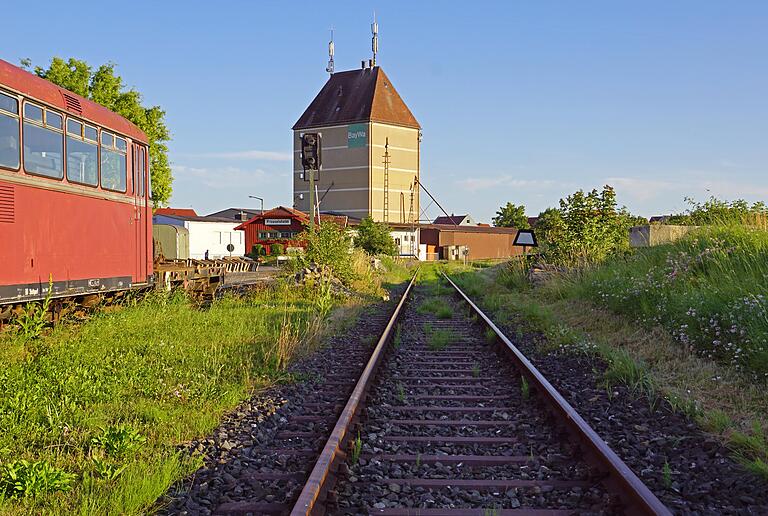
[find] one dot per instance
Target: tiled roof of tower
(357, 96)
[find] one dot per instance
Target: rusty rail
(317, 485)
(634, 493)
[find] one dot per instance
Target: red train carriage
(74, 194)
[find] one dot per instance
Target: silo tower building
(370, 149)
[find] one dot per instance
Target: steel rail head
(633, 489)
(317, 483)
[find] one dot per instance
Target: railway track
(448, 418)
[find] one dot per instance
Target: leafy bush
(22, 478)
(256, 251)
(375, 238)
(329, 245)
(119, 441)
(590, 228)
(33, 318)
(716, 211)
(276, 249)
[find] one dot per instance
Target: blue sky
(519, 101)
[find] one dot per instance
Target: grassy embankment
(90, 414)
(686, 321)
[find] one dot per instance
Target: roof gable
(357, 96)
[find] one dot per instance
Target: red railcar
(74, 194)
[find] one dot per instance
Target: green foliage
(374, 238)
(357, 447)
(511, 216)
(22, 478)
(548, 225)
(436, 306)
(108, 89)
(257, 250)
(107, 470)
(715, 211)
(590, 229)
(397, 341)
(33, 318)
(329, 245)
(119, 441)
(276, 249)
(525, 388)
(708, 290)
(623, 369)
(129, 385)
(476, 370)
(438, 339)
(666, 475)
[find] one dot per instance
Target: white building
(212, 234)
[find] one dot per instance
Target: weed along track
(449, 418)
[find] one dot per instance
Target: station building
(370, 149)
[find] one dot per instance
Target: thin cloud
(245, 155)
(475, 184)
(642, 189)
(221, 178)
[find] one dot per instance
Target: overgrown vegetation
(685, 322)
(90, 419)
(375, 238)
(709, 290)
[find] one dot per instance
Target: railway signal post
(311, 157)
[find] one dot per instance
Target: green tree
(592, 228)
(329, 245)
(108, 89)
(548, 226)
(511, 216)
(375, 238)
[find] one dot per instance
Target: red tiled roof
(364, 95)
(182, 212)
(282, 211)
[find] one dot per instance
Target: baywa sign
(357, 135)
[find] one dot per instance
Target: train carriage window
(32, 112)
(43, 143)
(53, 119)
(9, 132)
(142, 171)
(91, 133)
(74, 127)
(114, 167)
(82, 155)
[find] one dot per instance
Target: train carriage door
(136, 213)
(140, 218)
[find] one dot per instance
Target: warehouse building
(207, 234)
(370, 149)
(449, 242)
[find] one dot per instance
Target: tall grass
(157, 374)
(710, 290)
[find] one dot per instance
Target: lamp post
(260, 199)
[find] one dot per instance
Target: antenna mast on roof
(331, 49)
(374, 39)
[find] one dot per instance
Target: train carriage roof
(45, 91)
